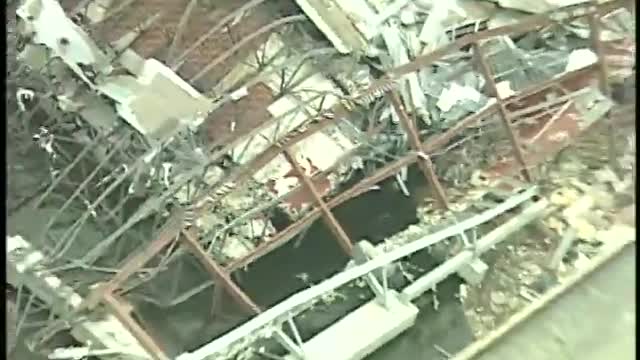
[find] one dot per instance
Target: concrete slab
(473, 272)
(361, 332)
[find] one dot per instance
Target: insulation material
(581, 58)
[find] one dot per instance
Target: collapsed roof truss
(148, 154)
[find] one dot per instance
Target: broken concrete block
(473, 272)
(362, 331)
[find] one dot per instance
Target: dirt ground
(562, 331)
(519, 269)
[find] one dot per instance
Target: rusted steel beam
(219, 275)
(167, 234)
(430, 146)
(598, 48)
(123, 314)
(565, 77)
(439, 141)
(502, 110)
(424, 162)
(603, 82)
(341, 236)
(339, 110)
(292, 230)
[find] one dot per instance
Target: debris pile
(230, 127)
(591, 201)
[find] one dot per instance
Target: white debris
(433, 31)
(50, 26)
(463, 292)
(581, 58)
(166, 170)
(155, 151)
(401, 185)
(78, 353)
(504, 89)
(22, 95)
(498, 298)
(392, 36)
(284, 185)
(97, 10)
(236, 248)
(336, 26)
(408, 16)
(582, 261)
(239, 94)
(455, 93)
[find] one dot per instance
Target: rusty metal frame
(502, 109)
(174, 229)
(428, 147)
(424, 161)
(219, 275)
(238, 176)
(343, 239)
(596, 44)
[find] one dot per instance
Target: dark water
(373, 216)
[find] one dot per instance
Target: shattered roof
(208, 144)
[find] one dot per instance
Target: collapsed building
(183, 142)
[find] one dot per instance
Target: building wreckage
(184, 135)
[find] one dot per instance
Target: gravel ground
(593, 320)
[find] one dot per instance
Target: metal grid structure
(124, 146)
